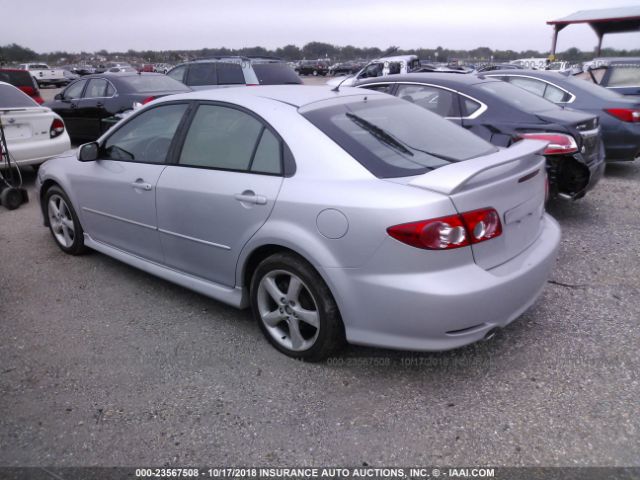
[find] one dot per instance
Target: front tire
(295, 308)
(63, 222)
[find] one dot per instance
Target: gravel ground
(101, 364)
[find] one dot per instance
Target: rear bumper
(35, 153)
(622, 141)
(443, 309)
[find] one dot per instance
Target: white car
(400, 64)
(45, 75)
(33, 133)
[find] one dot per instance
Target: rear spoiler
(451, 178)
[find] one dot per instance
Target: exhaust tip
(490, 334)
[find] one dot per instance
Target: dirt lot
(101, 364)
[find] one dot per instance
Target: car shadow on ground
(625, 170)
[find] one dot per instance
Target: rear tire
(295, 309)
(63, 222)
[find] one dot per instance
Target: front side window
(394, 138)
(439, 101)
(96, 88)
(147, 137)
(226, 138)
(74, 90)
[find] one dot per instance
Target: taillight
(147, 100)
(57, 128)
(483, 224)
(631, 115)
(454, 231)
(559, 143)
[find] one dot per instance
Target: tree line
(14, 53)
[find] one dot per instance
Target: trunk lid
(23, 125)
(512, 181)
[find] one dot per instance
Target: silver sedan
(335, 215)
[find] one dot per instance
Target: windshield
(275, 74)
(11, 97)
(152, 83)
(394, 138)
(517, 97)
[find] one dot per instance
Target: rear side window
(275, 74)
(267, 158)
(516, 97)
(469, 107)
(221, 137)
(437, 100)
(11, 97)
(201, 74)
(556, 95)
(534, 86)
(394, 138)
(230, 74)
(97, 88)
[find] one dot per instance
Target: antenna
(337, 87)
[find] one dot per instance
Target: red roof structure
(602, 21)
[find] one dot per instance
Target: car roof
(294, 95)
(546, 74)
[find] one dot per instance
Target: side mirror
(88, 152)
(58, 96)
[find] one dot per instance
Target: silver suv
(229, 71)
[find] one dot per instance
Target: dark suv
(234, 71)
(312, 67)
(22, 80)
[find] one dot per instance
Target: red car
(22, 80)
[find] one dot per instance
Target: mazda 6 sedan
(335, 215)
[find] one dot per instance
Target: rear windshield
(152, 83)
(394, 138)
(11, 97)
(517, 97)
(624, 76)
(275, 74)
(19, 78)
(594, 89)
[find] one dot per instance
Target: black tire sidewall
(331, 335)
(77, 247)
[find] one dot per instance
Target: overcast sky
(90, 25)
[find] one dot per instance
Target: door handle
(141, 185)
(73, 105)
(100, 104)
(250, 197)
